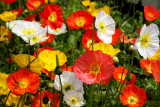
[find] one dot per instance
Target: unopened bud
(115, 61)
(130, 48)
(49, 84)
(58, 70)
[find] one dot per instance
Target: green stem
(61, 94)
(29, 54)
(93, 39)
(7, 97)
(90, 95)
(19, 100)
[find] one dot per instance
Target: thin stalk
(93, 39)
(90, 95)
(54, 100)
(7, 97)
(61, 94)
(19, 100)
(29, 55)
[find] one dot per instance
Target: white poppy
(69, 82)
(148, 42)
(106, 26)
(57, 31)
(11, 24)
(73, 98)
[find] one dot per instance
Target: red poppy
(93, 66)
(31, 17)
(52, 16)
(18, 11)
(151, 13)
(155, 66)
(87, 38)
(80, 19)
(146, 64)
(34, 4)
(133, 96)
(41, 49)
(118, 75)
(23, 81)
(69, 68)
(8, 1)
(116, 36)
(54, 98)
(49, 40)
(128, 39)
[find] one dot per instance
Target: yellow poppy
(4, 90)
(22, 60)
(4, 32)
(8, 16)
(105, 48)
(49, 59)
(156, 56)
(51, 1)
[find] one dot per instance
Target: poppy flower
(93, 66)
(41, 49)
(52, 16)
(69, 68)
(80, 19)
(105, 48)
(23, 81)
(128, 39)
(34, 4)
(116, 36)
(148, 42)
(155, 66)
(49, 40)
(8, 16)
(120, 74)
(87, 38)
(151, 13)
(18, 11)
(133, 96)
(146, 64)
(51, 1)
(4, 90)
(156, 56)
(40, 98)
(8, 1)
(31, 17)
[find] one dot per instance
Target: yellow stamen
(94, 68)
(67, 87)
(37, 4)
(80, 21)
(52, 17)
(73, 100)
(146, 40)
(102, 27)
(132, 100)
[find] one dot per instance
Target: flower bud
(115, 61)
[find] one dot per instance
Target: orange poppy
(23, 81)
(133, 96)
(93, 66)
(87, 38)
(118, 75)
(151, 13)
(51, 96)
(128, 39)
(155, 66)
(116, 36)
(49, 40)
(18, 11)
(31, 17)
(69, 68)
(146, 64)
(52, 16)
(34, 4)
(80, 19)
(8, 1)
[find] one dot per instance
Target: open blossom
(30, 32)
(93, 66)
(133, 96)
(80, 19)
(73, 98)
(23, 81)
(148, 42)
(34, 4)
(146, 64)
(8, 16)
(106, 27)
(69, 82)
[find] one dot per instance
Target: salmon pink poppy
(133, 96)
(54, 98)
(52, 16)
(23, 81)
(146, 64)
(87, 38)
(34, 4)
(93, 66)
(155, 66)
(8, 1)
(80, 19)
(151, 13)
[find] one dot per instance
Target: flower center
(150, 14)
(80, 21)
(132, 100)
(58, 30)
(102, 27)
(37, 4)
(23, 83)
(94, 68)
(36, 38)
(73, 100)
(67, 87)
(28, 31)
(52, 17)
(146, 40)
(89, 43)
